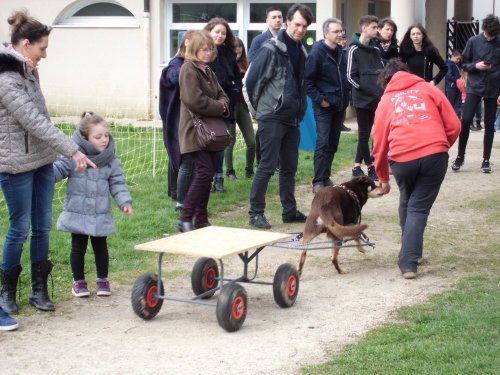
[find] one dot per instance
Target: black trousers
(365, 119)
(77, 258)
(277, 142)
(419, 182)
(470, 107)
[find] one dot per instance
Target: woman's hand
(82, 161)
(384, 188)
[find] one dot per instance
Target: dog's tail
(344, 231)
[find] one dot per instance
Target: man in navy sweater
(274, 20)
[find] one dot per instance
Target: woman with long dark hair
(228, 75)
(420, 54)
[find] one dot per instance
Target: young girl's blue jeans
(29, 200)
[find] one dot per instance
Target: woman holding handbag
(201, 96)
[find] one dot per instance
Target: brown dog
(336, 210)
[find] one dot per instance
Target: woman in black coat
(418, 52)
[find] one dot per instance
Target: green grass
(456, 332)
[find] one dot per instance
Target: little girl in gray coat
(87, 205)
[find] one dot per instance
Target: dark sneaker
(6, 322)
(345, 128)
(103, 289)
(457, 163)
(329, 183)
(357, 172)
(184, 226)
(259, 221)
(485, 166)
(249, 173)
(231, 174)
(80, 289)
(372, 174)
(298, 217)
(317, 186)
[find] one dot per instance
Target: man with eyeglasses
(327, 86)
(275, 85)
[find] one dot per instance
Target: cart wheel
(286, 285)
(144, 301)
(232, 307)
(204, 276)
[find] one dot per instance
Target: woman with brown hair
(29, 144)
(201, 96)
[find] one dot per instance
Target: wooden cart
(212, 244)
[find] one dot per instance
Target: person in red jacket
(415, 126)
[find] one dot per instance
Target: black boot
(219, 185)
(9, 288)
(40, 296)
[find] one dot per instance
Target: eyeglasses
(207, 50)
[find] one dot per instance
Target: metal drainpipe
(147, 60)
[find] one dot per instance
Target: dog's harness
(356, 200)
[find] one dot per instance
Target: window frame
(68, 20)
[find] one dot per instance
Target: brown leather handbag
(211, 133)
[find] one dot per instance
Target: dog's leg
(360, 248)
(335, 256)
(301, 262)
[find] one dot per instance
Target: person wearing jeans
(327, 86)
(29, 144)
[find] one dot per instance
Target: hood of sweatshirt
(402, 81)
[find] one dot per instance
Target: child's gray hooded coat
(87, 206)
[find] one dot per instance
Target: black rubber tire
(204, 276)
(286, 285)
(143, 302)
(231, 307)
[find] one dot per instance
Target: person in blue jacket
(274, 19)
(327, 86)
(453, 94)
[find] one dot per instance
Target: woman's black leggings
(77, 258)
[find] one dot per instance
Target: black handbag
(211, 133)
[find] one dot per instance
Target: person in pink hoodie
(415, 126)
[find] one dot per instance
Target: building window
(88, 13)
(246, 18)
(198, 12)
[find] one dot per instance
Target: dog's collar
(355, 198)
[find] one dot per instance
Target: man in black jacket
(327, 86)
(275, 85)
(364, 63)
(481, 59)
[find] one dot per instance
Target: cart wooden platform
(212, 244)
